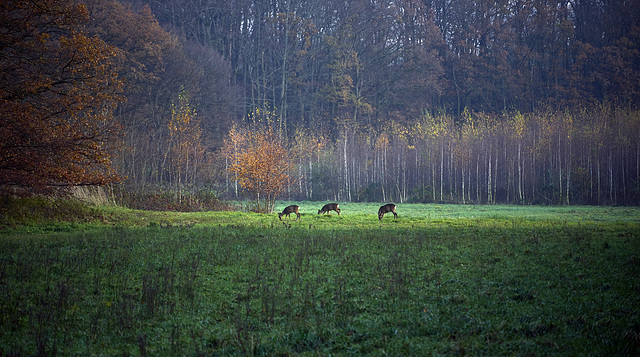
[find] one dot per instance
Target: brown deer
(289, 210)
(330, 207)
(389, 207)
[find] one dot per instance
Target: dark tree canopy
(372, 59)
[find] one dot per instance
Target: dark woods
(372, 61)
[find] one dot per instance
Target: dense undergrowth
(442, 280)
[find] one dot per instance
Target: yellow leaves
(382, 141)
(183, 124)
(437, 127)
(185, 134)
(518, 125)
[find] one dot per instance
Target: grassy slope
(441, 279)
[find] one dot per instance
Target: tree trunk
(611, 195)
(568, 173)
(346, 167)
(463, 201)
(441, 170)
(520, 192)
(283, 92)
(489, 184)
(478, 178)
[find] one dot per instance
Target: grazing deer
(330, 207)
(389, 207)
(289, 210)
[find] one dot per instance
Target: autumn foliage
(258, 159)
(58, 89)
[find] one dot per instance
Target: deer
(389, 207)
(289, 210)
(330, 207)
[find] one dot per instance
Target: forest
(470, 101)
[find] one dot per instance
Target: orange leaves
(259, 162)
(57, 90)
(261, 167)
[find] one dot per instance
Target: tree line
(582, 156)
(525, 101)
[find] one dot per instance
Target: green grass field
(440, 280)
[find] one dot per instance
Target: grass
(441, 280)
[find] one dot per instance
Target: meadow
(439, 280)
